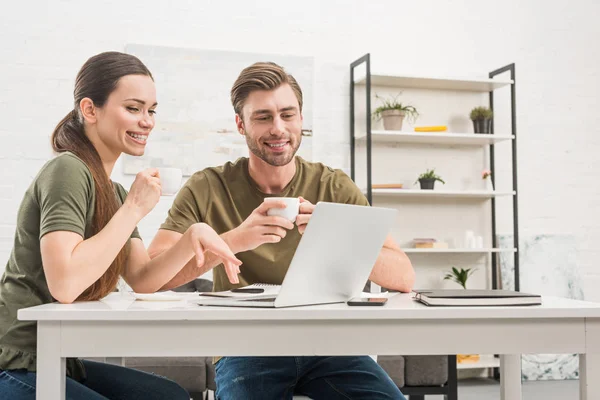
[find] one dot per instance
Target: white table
(134, 329)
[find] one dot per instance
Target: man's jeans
(279, 378)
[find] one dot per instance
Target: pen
(248, 290)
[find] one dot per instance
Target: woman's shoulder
(64, 171)
(66, 166)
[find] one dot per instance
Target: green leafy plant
(410, 112)
(479, 113)
(430, 174)
(460, 276)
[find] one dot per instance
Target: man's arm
(393, 269)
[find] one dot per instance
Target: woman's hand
(204, 238)
(144, 193)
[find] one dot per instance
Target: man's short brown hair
(261, 76)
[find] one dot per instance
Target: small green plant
(460, 276)
(410, 112)
(479, 113)
(430, 175)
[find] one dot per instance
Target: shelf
(485, 361)
(475, 194)
(460, 139)
(436, 83)
(457, 250)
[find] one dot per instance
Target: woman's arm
(147, 276)
(72, 264)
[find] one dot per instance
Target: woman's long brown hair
(96, 80)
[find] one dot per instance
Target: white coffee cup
(290, 212)
(170, 180)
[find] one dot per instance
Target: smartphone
(367, 301)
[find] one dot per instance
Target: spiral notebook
(268, 290)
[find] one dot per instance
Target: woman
(76, 231)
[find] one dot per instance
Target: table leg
(589, 363)
(51, 367)
(589, 371)
(510, 377)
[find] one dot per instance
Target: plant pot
(427, 184)
(482, 125)
(392, 120)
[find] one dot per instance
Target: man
(268, 106)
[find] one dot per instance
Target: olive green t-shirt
(225, 196)
(60, 198)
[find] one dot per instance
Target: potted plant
(393, 112)
(427, 179)
(482, 119)
(460, 276)
(486, 175)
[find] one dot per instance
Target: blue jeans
(104, 381)
(279, 378)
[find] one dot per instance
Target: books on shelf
(435, 245)
(470, 297)
(429, 243)
(387, 186)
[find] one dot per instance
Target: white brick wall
(553, 45)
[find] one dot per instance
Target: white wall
(553, 45)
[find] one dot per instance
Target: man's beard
(276, 160)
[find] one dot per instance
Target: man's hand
(259, 228)
(306, 210)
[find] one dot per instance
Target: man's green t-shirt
(223, 197)
(61, 198)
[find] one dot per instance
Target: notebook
(468, 297)
(268, 290)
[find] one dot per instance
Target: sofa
(415, 375)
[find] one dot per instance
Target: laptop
(333, 260)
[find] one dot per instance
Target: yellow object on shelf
(467, 358)
(437, 128)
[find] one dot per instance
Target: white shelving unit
(387, 144)
(458, 250)
(435, 138)
(434, 83)
(472, 194)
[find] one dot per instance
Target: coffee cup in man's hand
(290, 212)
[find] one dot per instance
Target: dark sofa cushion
(394, 366)
(425, 370)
